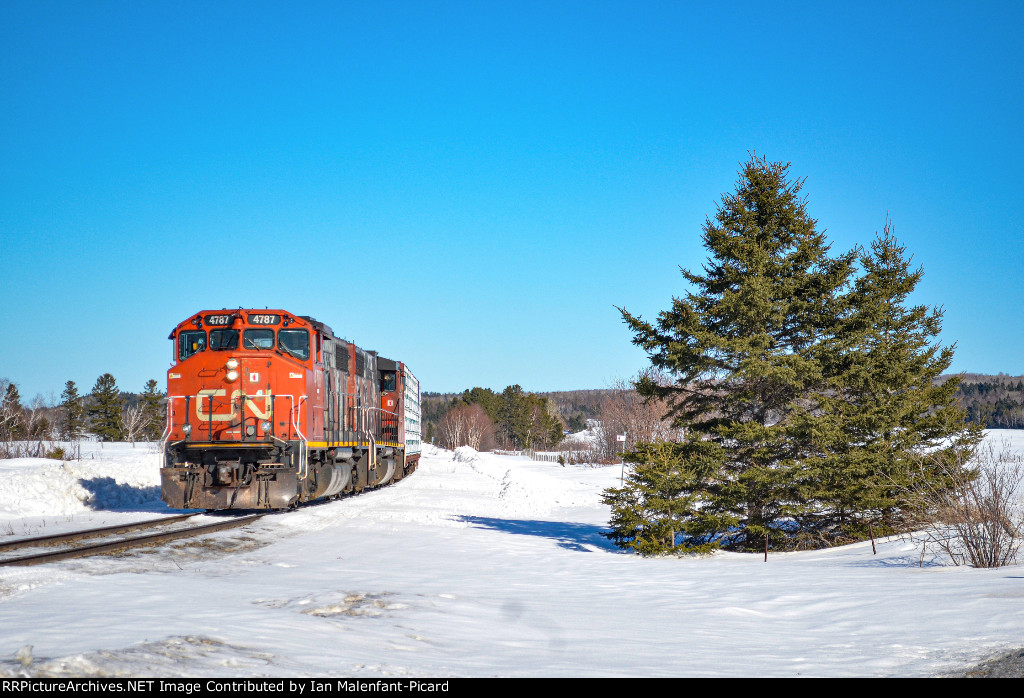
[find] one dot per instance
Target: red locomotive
(267, 410)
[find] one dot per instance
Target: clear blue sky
(472, 187)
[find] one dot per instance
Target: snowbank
(107, 477)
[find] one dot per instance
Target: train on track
(267, 409)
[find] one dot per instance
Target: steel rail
(127, 543)
(90, 533)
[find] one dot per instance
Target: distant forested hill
(996, 402)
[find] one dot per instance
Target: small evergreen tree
(12, 415)
(72, 413)
(514, 418)
(153, 411)
(658, 508)
(105, 410)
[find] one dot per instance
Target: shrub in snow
(465, 454)
(976, 517)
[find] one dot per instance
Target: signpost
(621, 438)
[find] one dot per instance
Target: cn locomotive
(267, 409)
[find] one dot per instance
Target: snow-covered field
(477, 565)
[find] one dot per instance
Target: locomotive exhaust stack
(267, 410)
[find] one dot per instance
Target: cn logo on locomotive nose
(250, 402)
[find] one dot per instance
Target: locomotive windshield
(222, 340)
(258, 339)
(387, 381)
(190, 342)
(294, 342)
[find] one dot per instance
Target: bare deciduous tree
(465, 425)
(641, 420)
(134, 421)
(478, 426)
(38, 426)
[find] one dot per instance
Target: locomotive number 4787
(325, 418)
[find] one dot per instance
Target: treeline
(483, 419)
(574, 408)
(106, 413)
(995, 402)
(516, 420)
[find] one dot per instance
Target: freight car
(267, 410)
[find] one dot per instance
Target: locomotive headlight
(232, 376)
(187, 428)
(265, 427)
(232, 364)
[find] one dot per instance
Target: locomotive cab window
(222, 340)
(190, 342)
(258, 339)
(294, 342)
(387, 381)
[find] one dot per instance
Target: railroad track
(70, 548)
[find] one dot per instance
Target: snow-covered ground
(477, 565)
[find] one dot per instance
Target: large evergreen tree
(770, 350)
(744, 346)
(105, 410)
(885, 405)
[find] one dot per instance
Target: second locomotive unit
(267, 409)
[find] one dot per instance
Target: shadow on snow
(571, 536)
(106, 494)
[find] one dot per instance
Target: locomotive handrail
(303, 441)
(385, 421)
(167, 431)
(369, 421)
(294, 411)
(170, 421)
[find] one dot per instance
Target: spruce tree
(886, 405)
(153, 411)
(745, 344)
(658, 507)
(817, 384)
(105, 410)
(72, 413)
(514, 417)
(12, 415)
